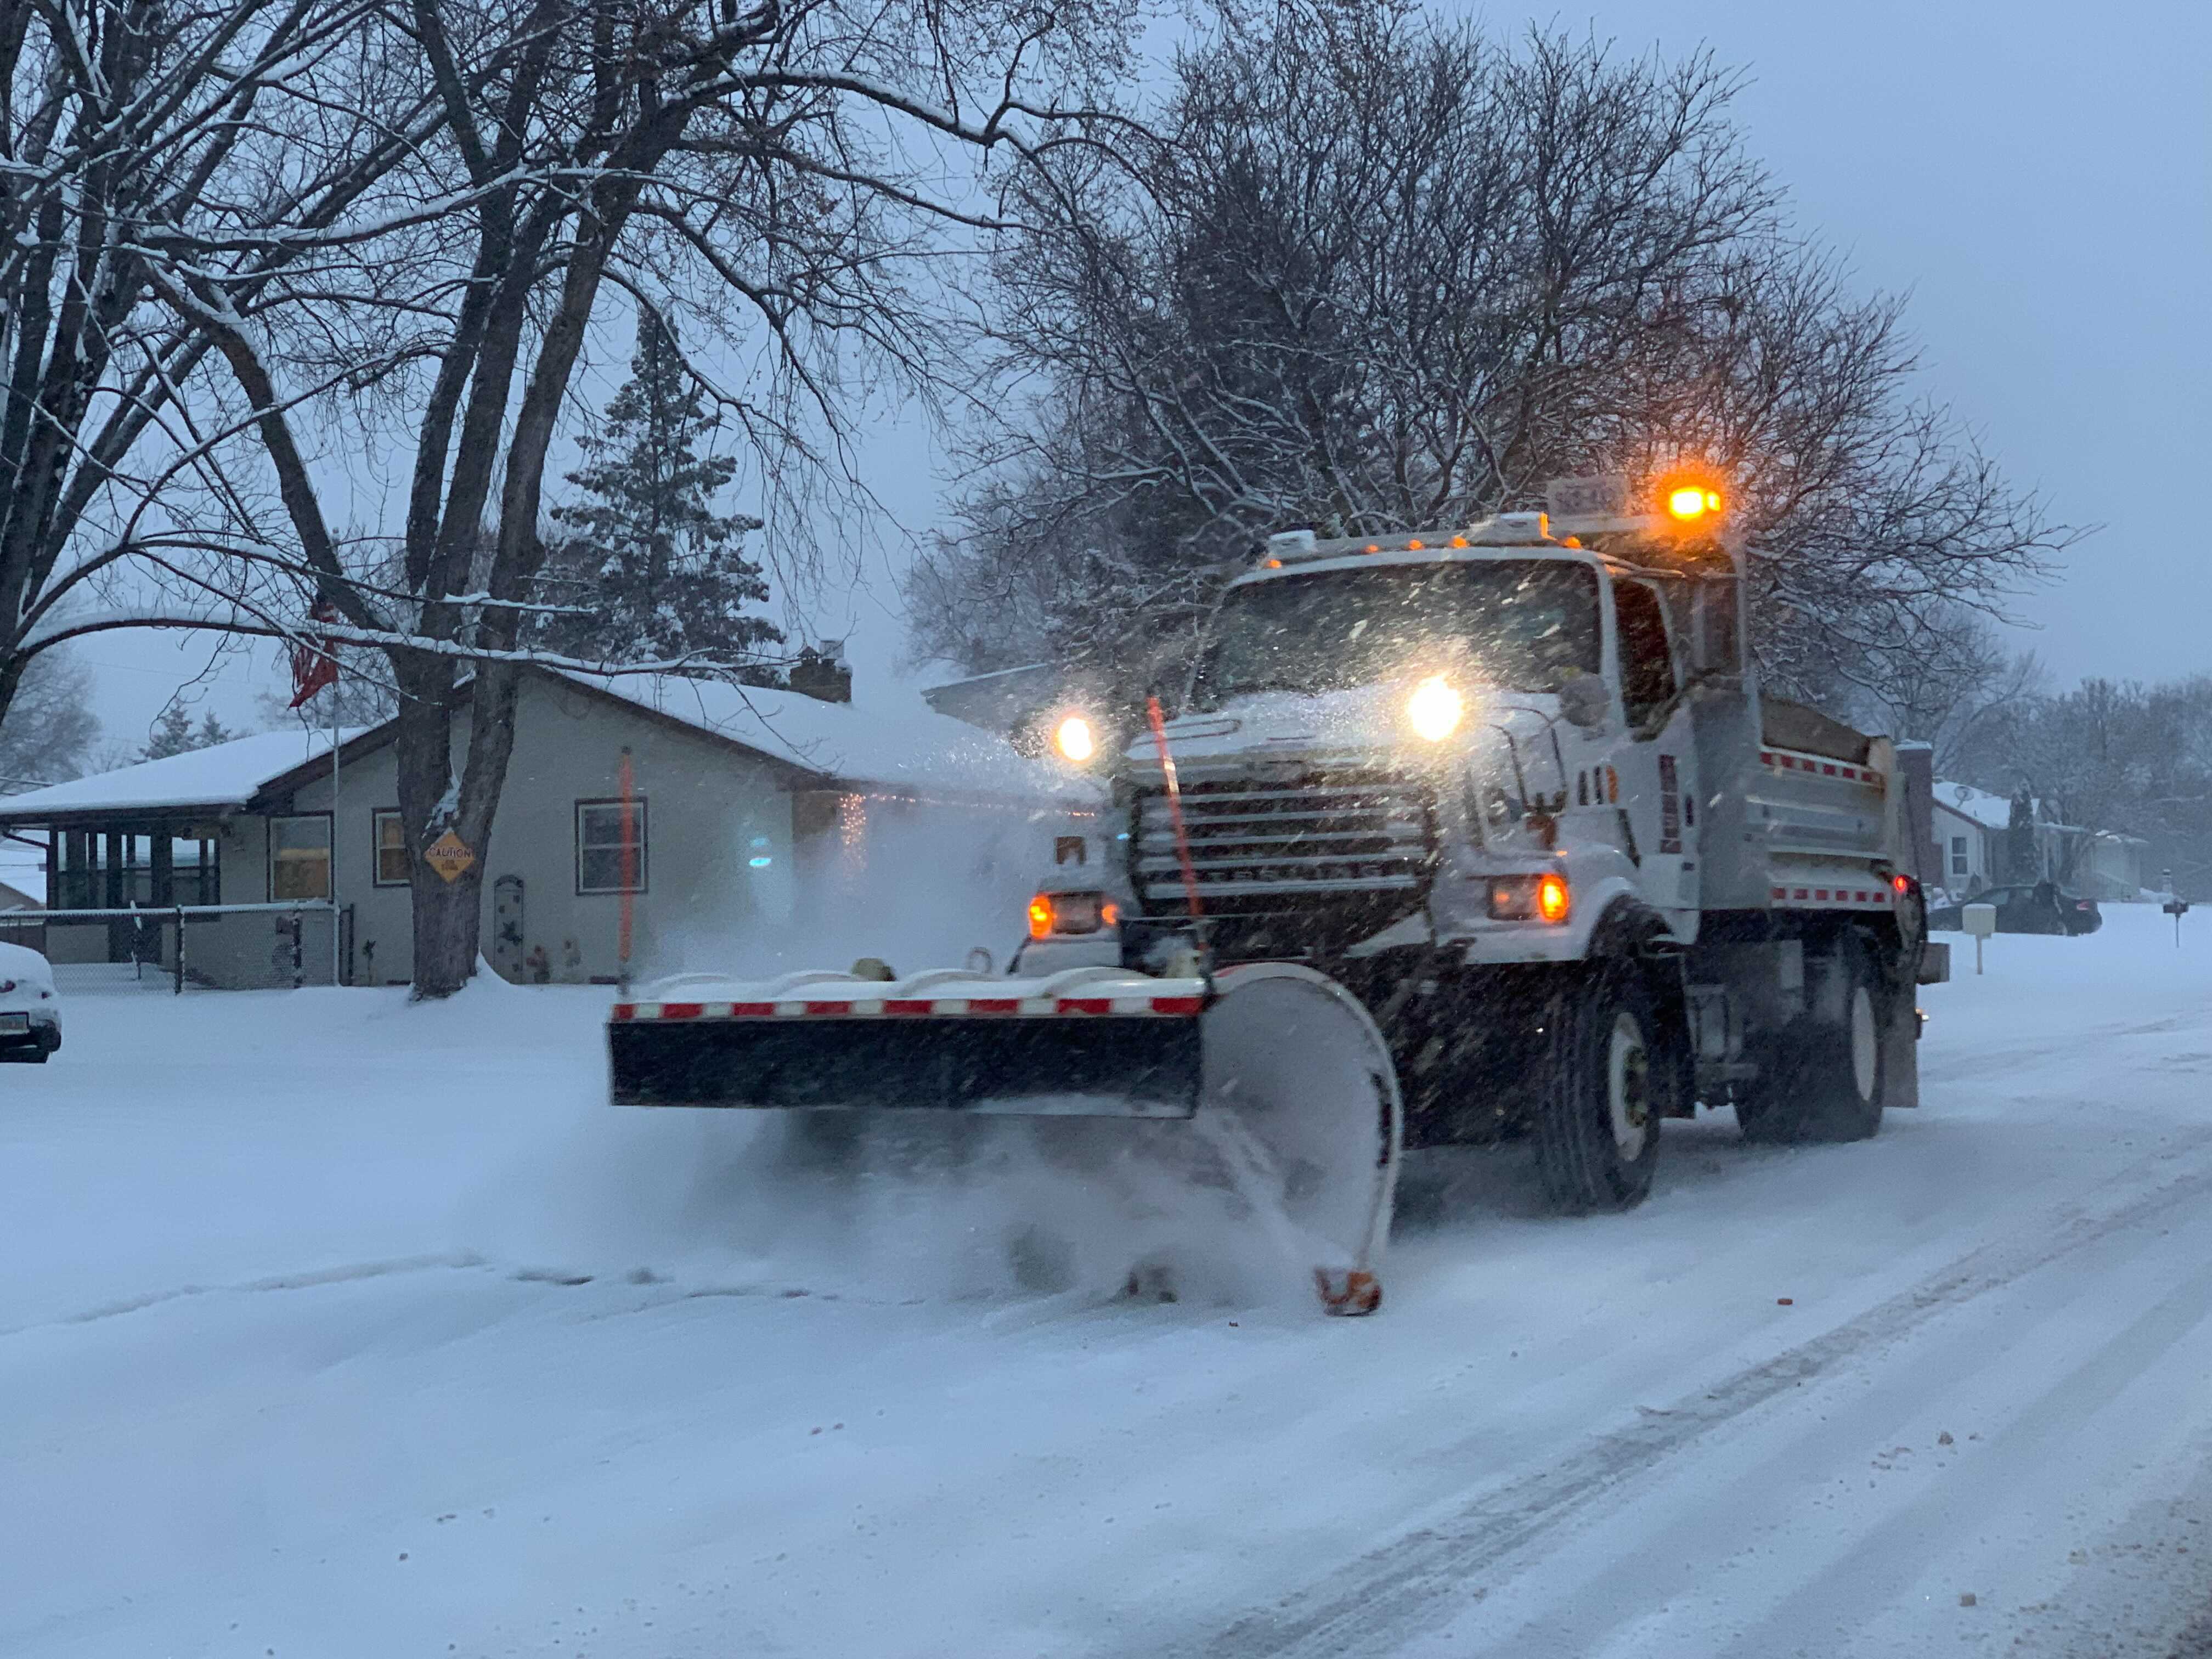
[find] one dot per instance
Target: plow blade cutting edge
(1290, 1096)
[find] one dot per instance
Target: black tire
(1612, 1076)
(1827, 1079)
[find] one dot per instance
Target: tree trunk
(448, 918)
(447, 915)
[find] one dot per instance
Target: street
(336, 1327)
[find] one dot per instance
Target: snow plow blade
(1093, 1042)
(1280, 1100)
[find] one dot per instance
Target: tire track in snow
(1851, 1584)
(1376, 1603)
(299, 1281)
(1980, 1066)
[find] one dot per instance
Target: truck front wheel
(1613, 1074)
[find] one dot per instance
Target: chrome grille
(1264, 846)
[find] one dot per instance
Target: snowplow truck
(1456, 837)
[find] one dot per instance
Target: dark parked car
(2031, 907)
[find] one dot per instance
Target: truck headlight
(1435, 709)
(1074, 740)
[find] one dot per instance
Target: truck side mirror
(1585, 699)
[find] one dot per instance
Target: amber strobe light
(1686, 503)
(1041, 917)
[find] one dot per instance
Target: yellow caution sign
(449, 855)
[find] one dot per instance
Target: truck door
(1659, 764)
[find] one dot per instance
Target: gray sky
(2038, 179)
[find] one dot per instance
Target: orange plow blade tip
(1348, 1292)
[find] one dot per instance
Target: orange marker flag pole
(628, 870)
(1174, 808)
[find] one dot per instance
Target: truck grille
(1264, 847)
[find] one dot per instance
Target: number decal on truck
(1670, 806)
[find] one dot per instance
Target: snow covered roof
(223, 774)
(1991, 811)
(890, 740)
(887, 743)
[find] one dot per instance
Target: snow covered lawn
(332, 1326)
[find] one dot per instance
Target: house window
(196, 871)
(391, 844)
(1958, 855)
(601, 853)
(300, 857)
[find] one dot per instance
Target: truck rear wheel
(1828, 1079)
(1612, 1083)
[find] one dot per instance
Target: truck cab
(1484, 739)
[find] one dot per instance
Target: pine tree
(174, 734)
(2020, 838)
(659, 573)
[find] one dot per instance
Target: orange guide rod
(1175, 807)
(628, 864)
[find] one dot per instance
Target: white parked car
(30, 1012)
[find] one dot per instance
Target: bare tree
(48, 732)
(778, 174)
(1962, 684)
(123, 502)
(2117, 756)
(1379, 273)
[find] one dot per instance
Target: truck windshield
(1523, 623)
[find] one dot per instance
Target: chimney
(1916, 766)
(822, 673)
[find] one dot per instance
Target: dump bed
(1794, 725)
(1804, 815)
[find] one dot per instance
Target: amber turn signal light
(1529, 898)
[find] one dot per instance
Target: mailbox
(1980, 920)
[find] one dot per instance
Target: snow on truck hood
(1368, 721)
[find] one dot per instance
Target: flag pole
(334, 814)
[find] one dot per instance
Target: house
(1972, 830)
(760, 830)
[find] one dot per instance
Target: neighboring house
(1970, 827)
(1973, 829)
(768, 830)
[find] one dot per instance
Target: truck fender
(1601, 912)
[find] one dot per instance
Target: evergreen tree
(174, 734)
(657, 573)
(2020, 838)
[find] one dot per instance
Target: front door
(507, 928)
(1659, 766)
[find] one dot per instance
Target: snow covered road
(335, 1328)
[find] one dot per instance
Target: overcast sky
(2036, 177)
